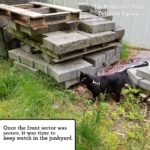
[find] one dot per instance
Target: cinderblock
(119, 32)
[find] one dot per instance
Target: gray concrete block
(30, 31)
(113, 60)
(27, 48)
(133, 77)
(143, 72)
(69, 70)
(96, 59)
(110, 53)
(28, 59)
(83, 6)
(145, 84)
(57, 27)
(98, 11)
(63, 42)
(118, 49)
(87, 15)
(108, 17)
(119, 32)
(25, 68)
(100, 38)
(42, 65)
(69, 83)
(46, 57)
(96, 25)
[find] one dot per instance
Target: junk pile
(62, 41)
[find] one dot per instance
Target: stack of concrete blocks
(140, 77)
(61, 41)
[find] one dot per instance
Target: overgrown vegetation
(100, 126)
(125, 51)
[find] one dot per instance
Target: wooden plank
(24, 6)
(21, 11)
(72, 10)
(88, 51)
(38, 45)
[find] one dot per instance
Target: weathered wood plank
(24, 6)
(72, 10)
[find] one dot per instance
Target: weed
(125, 52)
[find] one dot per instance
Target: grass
(100, 126)
(125, 51)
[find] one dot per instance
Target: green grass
(99, 126)
(125, 51)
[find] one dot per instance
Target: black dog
(104, 84)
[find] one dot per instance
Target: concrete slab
(143, 72)
(96, 25)
(120, 32)
(41, 65)
(46, 57)
(96, 59)
(145, 84)
(25, 68)
(99, 38)
(63, 42)
(133, 77)
(69, 70)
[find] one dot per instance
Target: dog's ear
(81, 73)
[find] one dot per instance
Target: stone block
(83, 6)
(25, 68)
(118, 49)
(143, 72)
(28, 59)
(42, 65)
(98, 11)
(96, 59)
(110, 53)
(145, 84)
(57, 27)
(63, 42)
(87, 15)
(113, 60)
(27, 48)
(133, 77)
(31, 32)
(100, 38)
(119, 32)
(46, 57)
(96, 25)
(69, 70)
(70, 83)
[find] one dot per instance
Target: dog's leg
(118, 95)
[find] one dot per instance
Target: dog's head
(84, 78)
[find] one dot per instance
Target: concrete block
(87, 15)
(143, 72)
(46, 57)
(145, 84)
(113, 60)
(15, 54)
(133, 77)
(63, 42)
(119, 32)
(57, 27)
(70, 83)
(69, 70)
(108, 17)
(83, 6)
(98, 11)
(28, 59)
(25, 68)
(110, 53)
(30, 31)
(96, 59)
(27, 48)
(96, 25)
(118, 49)
(42, 65)
(100, 38)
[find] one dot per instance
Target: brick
(133, 77)
(119, 32)
(69, 70)
(96, 25)
(42, 65)
(118, 49)
(31, 32)
(63, 42)
(143, 72)
(145, 84)
(46, 57)
(25, 68)
(27, 48)
(100, 38)
(96, 59)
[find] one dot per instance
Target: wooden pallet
(38, 15)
